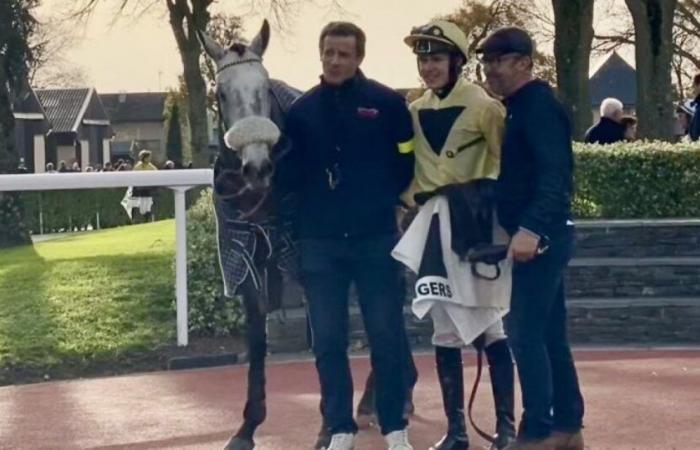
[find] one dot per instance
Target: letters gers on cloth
(462, 305)
(239, 239)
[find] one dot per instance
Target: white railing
(177, 180)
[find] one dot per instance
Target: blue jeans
(328, 268)
(536, 328)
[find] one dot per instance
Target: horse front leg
(255, 409)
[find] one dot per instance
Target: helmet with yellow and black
(438, 36)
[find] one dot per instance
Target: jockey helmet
(438, 36)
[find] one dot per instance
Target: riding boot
(502, 385)
(449, 369)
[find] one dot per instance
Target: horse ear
(259, 44)
(210, 46)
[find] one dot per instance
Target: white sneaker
(342, 441)
(398, 440)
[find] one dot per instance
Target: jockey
(458, 131)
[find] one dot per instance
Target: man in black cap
(533, 201)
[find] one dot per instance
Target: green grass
(87, 298)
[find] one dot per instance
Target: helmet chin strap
(456, 64)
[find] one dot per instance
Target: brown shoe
(567, 441)
(540, 444)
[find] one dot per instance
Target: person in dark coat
(694, 129)
(350, 159)
(609, 128)
(533, 202)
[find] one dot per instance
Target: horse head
(242, 94)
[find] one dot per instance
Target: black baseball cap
(507, 40)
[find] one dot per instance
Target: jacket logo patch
(367, 113)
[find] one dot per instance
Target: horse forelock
(243, 88)
(239, 48)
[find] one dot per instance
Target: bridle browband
(235, 63)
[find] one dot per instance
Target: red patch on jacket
(367, 113)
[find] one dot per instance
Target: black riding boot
(502, 385)
(449, 368)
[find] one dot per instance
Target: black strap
(472, 396)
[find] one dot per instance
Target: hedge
(637, 180)
(78, 209)
(210, 312)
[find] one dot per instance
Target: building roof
(135, 106)
(64, 107)
(615, 78)
(27, 105)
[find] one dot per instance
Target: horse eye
(222, 96)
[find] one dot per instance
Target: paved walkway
(643, 400)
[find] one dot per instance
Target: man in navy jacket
(694, 129)
(351, 157)
(533, 202)
(609, 128)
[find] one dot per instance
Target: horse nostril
(247, 170)
(265, 169)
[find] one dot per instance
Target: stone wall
(630, 282)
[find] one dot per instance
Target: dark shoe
(567, 441)
(449, 442)
(503, 388)
(450, 376)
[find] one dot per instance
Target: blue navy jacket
(694, 129)
(606, 131)
(350, 133)
(535, 185)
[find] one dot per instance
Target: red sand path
(644, 400)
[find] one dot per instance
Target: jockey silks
(457, 139)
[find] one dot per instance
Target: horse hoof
(237, 443)
(365, 420)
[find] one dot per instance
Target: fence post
(41, 215)
(181, 264)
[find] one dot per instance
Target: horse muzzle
(258, 175)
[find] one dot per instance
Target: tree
(16, 26)
(573, 38)
(49, 68)
(173, 145)
(653, 31)
(686, 41)
(185, 17)
(478, 20)
(226, 29)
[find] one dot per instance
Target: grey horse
(253, 223)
